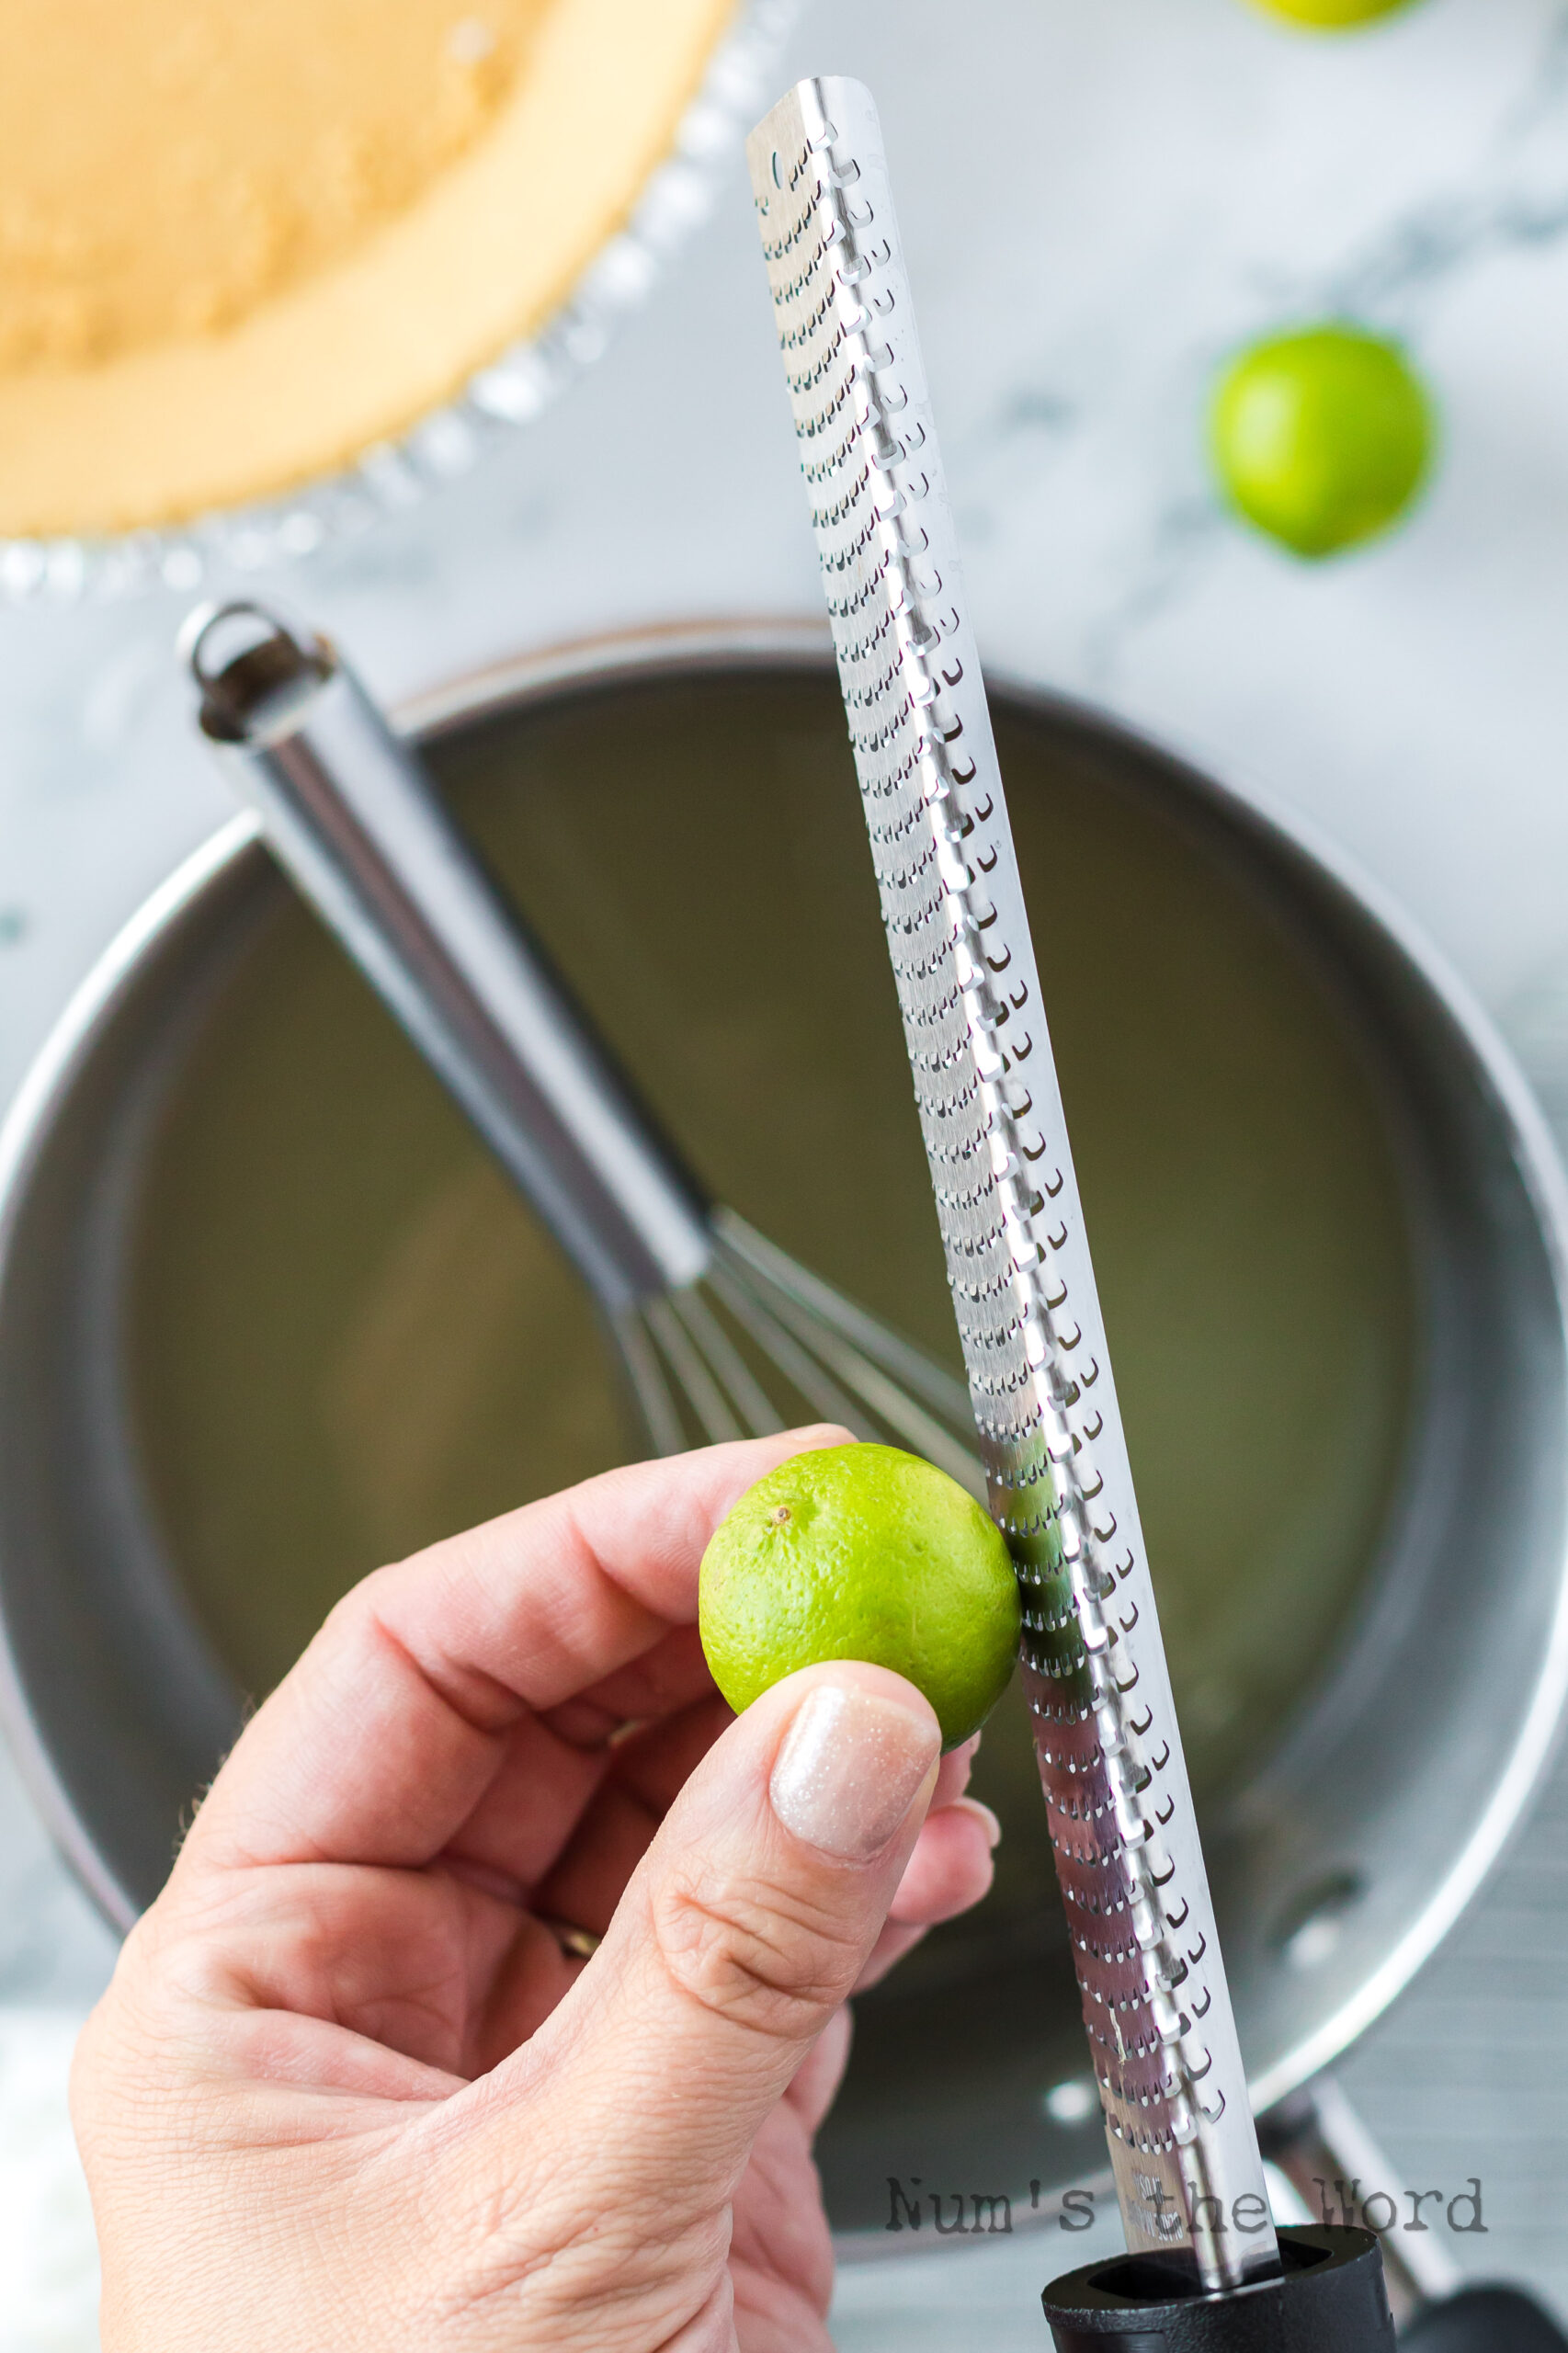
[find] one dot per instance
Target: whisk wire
(798, 1364)
(650, 1390)
(784, 1276)
(708, 1401)
(700, 1358)
(904, 1416)
(752, 1402)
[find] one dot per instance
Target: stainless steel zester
(1157, 2006)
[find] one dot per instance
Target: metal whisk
(720, 1333)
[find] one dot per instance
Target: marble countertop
(1098, 199)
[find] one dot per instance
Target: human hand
(349, 2087)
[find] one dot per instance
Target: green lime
(1330, 16)
(1322, 437)
(862, 1552)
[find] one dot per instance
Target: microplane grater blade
(1157, 2006)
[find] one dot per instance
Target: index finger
(378, 1743)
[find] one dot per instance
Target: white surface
(983, 2297)
(1099, 197)
(48, 2259)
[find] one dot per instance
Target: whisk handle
(351, 814)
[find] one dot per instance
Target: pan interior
(347, 1336)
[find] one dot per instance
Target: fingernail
(988, 1821)
(850, 1769)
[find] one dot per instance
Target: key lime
(1330, 16)
(1322, 437)
(862, 1552)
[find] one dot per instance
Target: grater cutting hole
(1310, 1927)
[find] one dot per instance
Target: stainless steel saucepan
(265, 1316)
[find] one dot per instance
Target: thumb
(742, 1930)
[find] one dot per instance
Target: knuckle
(772, 1962)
